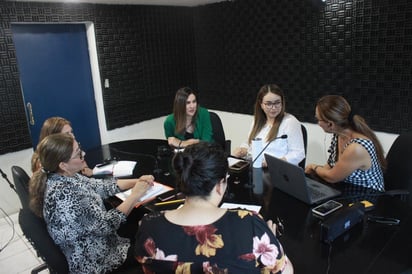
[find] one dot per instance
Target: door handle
(30, 111)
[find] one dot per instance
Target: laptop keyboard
(315, 193)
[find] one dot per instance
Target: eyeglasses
(80, 154)
(270, 105)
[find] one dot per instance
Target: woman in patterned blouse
(72, 207)
(356, 155)
(200, 237)
(54, 125)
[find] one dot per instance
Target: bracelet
(314, 169)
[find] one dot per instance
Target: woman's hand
(272, 226)
(240, 152)
(142, 185)
(310, 168)
(86, 171)
(174, 142)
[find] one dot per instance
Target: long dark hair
(199, 168)
(179, 109)
(52, 150)
(336, 109)
(260, 116)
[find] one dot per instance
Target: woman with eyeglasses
(54, 125)
(271, 122)
(189, 123)
(201, 237)
(72, 207)
(356, 155)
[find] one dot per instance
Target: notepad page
(255, 208)
(155, 190)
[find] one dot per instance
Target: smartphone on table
(326, 208)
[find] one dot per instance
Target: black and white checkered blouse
(372, 177)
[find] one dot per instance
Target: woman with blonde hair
(54, 125)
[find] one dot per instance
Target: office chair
(305, 144)
(35, 230)
(21, 182)
(219, 133)
(398, 174)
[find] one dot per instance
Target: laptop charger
(341, 221)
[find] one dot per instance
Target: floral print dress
(80, 225)
(239, 242)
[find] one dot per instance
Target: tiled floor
(16, 253)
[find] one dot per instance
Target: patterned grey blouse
(81, 226)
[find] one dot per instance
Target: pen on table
(170, 202)
(176, 195)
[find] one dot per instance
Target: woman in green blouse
(189, 123)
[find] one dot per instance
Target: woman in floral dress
(200, 237)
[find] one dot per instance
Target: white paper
(231, 161)
(256, 149)
(155, 190)
(123, 168)
(117, 169)
(255, 208)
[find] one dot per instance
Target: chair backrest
(21, 181)
(218, 132)
(305, 144)
(398, 174)
(35, 230)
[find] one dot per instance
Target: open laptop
(292, 180)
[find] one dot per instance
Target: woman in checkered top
(356, 155)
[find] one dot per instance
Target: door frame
(96, 79)
(95, 74)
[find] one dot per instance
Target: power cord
(329, 258)
(7, 217)
(7, 179)
(11, 223)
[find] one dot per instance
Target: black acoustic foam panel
(227, 50)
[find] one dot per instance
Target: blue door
(56, 80)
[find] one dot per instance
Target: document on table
(152, 193)
(117, 169)
(255, 208)
(231, 160)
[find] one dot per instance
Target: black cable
(329, 258)
(7, 217)
(11, 223)
(7, 180)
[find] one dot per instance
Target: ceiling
(188, 3)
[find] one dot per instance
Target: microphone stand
(284, 136)
(252, 184)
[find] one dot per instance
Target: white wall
(236, 129)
